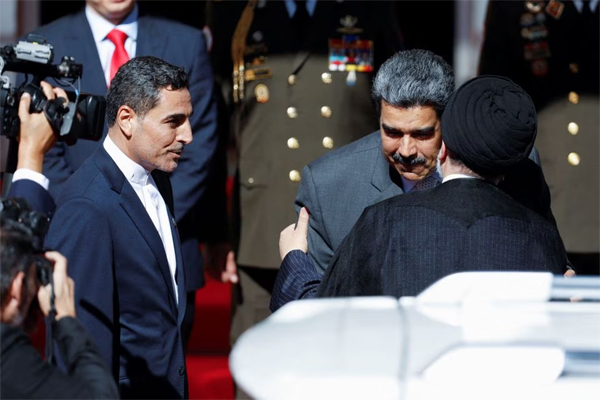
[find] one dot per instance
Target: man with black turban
(401, 245)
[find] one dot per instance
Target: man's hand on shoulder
(295, 236)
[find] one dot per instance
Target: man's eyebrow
(427, 129)
(390, 129)
(176, 116)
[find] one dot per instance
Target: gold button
(292, 79)
(251, 180)
(328, 142)
(574, 159)
(573, 97)
(294, 176)
(292, 112)
(573, 128)
(326, 78)
(293, 143)
(574, 67)
(325, 112)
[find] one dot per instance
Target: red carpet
(208, 349)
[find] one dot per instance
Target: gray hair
(414, 78)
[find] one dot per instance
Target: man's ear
(126, 119)
(443, 153)
(12, 303)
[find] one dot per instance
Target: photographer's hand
(64, 289)
(36, 136)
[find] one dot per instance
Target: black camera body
(82, 118)
(33, 224)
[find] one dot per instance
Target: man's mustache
(408, 160)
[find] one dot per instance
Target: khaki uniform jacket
(297, 111)
(554, 56)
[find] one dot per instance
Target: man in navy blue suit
(114, 222)
(199, 193)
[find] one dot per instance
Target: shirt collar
(579, 5)
(408, 185)
(458, 176)
(134, 172)
(101, 27)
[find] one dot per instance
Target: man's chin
(414, 174)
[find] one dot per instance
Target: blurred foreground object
(471, 335)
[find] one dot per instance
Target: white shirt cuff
(24, 173)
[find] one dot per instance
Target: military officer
(298, 79)
(551, 49)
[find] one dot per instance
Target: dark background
(424, 24)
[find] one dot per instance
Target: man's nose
(185, 134)
(406, 147)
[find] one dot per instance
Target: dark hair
(414, 78)
(16, 254)
(138, 84)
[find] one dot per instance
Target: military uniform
(298, 88)
(551, 50)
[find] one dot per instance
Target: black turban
(490, 123)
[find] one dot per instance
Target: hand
(570, 273)
(219, 262)
(36, 136)
(295, 236)
(64, 289)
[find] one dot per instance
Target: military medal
(350, 53)
(526, 19)
(534, 6)
(261, 92)
(539, 67)
(555, 8)
(537, 50)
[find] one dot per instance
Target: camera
(82, 118)
(17, 212)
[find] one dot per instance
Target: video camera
(17, 212)
(82, 118)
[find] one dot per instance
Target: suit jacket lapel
(151, 40)
(381, 179)
(138, 214)
(164, 187)
(78, 42)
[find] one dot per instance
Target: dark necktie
(426, 183)
(301, 18)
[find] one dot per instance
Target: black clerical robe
(400, 246)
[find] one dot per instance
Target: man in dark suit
(401, 245)
(197, 198)
(114, 222)
(550, 49)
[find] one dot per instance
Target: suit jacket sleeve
(355, 267)
(80, 231)
(38, 198)
(297, 279)
(191, 179)
(319, 245)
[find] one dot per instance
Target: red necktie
(120, 55)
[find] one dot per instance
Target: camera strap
(49, 321)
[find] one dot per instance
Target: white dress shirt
(101, 27)
(140, 179)
(28, 174)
